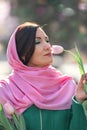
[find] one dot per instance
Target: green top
(70, 119)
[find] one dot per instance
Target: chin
(50, 63)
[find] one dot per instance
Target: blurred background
(64, 21)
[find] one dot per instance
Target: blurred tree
(66, 20)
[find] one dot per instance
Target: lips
(48, 54)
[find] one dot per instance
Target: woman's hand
(80, 93)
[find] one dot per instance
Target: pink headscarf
(44, 87)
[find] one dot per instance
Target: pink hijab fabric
(44, 87)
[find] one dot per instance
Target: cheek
(37, 54)
(38, 50)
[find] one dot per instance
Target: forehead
(40, 32)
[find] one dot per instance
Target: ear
(23, 59)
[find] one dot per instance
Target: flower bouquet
(78, 59)
(15, 122)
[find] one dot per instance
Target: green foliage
(78, 59)
(15, 123)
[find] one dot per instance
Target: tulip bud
(8, 108)
(56, 49)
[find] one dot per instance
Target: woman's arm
(78, 119)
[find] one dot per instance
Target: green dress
(70, 119)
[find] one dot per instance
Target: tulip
(17, 121)
(56, 49)
(8, 108)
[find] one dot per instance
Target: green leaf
(78, 59)
(85, 87)
(16, 121)
(84, 104)
(81, 67)
(19, 121)
(22, 123)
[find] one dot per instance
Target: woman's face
(42, 55)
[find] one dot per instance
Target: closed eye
(38, 40)
(47, 39)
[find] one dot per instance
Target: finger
(82, 79)
(85, 77)
(81, 82)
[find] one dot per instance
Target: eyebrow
(45, 37)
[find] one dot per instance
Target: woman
(47, 99)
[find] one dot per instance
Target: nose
(47, 46)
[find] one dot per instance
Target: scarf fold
(45, 87)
